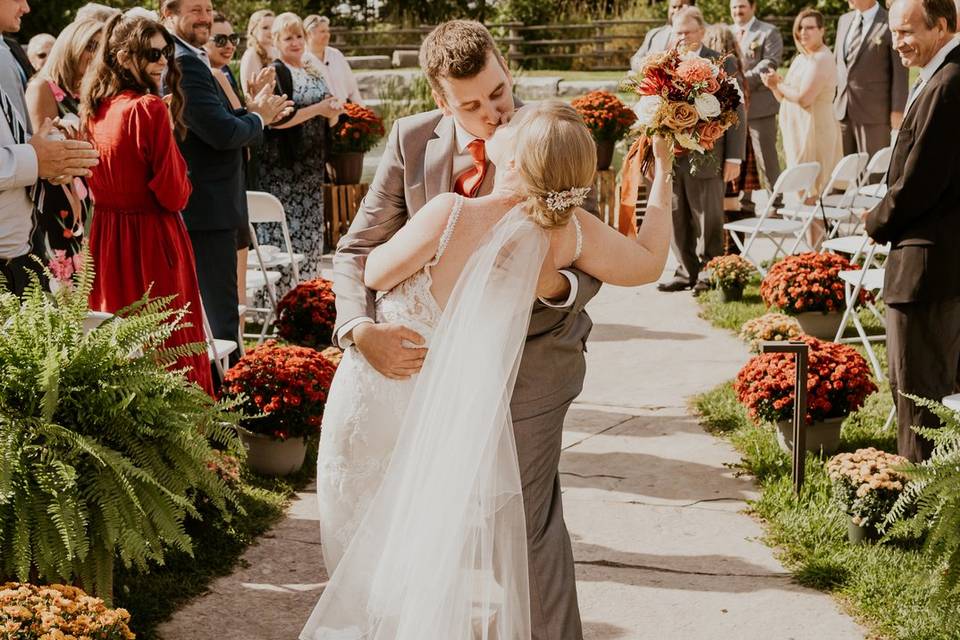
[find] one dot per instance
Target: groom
(443, 151)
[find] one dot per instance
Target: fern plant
(930, 503)
(102, 448)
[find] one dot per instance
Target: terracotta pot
(820, 325)
(822, 436)
(345, 168)
(604, 154)
(731, 294)
(859, 534)
(270, 457)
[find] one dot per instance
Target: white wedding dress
(421, 508)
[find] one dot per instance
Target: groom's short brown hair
(455, 49)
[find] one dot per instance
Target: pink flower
(694, 70)
(62, 266)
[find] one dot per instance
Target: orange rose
(712, 85)
(710, 132)
(679, 115)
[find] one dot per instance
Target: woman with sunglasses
(138, 239)
(220, 49)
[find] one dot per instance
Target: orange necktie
(468, 183)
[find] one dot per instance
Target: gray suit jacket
(875, 83)
(417, 164)
(732, 146)
(656, 40)
(761, 49)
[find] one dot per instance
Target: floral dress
(296, 176)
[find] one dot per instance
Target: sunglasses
(153, 55)
(220, 40)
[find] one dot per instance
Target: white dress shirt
(930, 68)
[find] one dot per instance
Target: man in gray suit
(698, 192)
(424, 156)
(659, 38)
(871, 80)
(761, 49)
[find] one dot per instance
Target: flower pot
(345, 168)
(604, 154)
(731, 294)
(859, 534)
(270, 457)
(822, 436)
(820, 325)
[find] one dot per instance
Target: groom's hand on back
(383, 345)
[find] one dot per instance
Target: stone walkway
(662, 549)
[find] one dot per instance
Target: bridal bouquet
(686, 98)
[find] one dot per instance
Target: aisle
(662, 550)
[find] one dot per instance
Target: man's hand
(62, 158)
(896, 119)
(266, 78)
(383, 347)
(731, 171)
(270, 107)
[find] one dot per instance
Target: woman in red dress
(138, 239)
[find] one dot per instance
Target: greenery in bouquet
(838, 382)
(770, 327)
(808, 282)
(867, 483)
(688, 99)
(283, 387)
(729, 272)
(307, 314)
(103, 448)
(358, 130)
(930, 505)
(605, 115)
(30, 612)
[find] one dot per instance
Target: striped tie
(853, 44)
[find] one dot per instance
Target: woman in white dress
(420, 504)
(260, 51)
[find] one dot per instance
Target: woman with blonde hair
(434, 497)
(54, 92)
(336, 70)
(260, 51)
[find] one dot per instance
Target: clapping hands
(770, 79)
(265, 78)
(269, 106)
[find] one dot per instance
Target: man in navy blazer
(213, 149)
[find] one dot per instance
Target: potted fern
(103, 449)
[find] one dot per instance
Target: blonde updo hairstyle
(554, 152)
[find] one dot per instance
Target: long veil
(441, 553)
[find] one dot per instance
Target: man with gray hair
(659, 38)
(920, 217)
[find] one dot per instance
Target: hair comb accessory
(562, 200)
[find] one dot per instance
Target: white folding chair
(218, 350)
(745, 233)
(265, 208)
(878, 166)
(832, 209)
(867, 278)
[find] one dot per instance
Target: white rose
(687, 142)
(707, 106)
(646, 109)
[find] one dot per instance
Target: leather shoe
(677, 284)
(700, 287)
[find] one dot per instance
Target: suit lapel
(879, 23)
(843, 26)
(438, 159)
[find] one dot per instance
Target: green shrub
(102, 448)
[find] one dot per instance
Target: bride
(421, 507)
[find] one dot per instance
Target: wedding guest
(720, 38)
(24, 158)
(260, 52)
(39, 48)
(658, 38)
(54, 92)
(214, 144)
(138, 240)
(920, 217)
(336, 70)
(698, 192)
(96, 11)
(871, 80)
(810, 130)
(761, 49)
(291, 165)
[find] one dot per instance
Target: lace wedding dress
(419, 488)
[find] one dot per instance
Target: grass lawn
(888, 586)
(153, 597)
